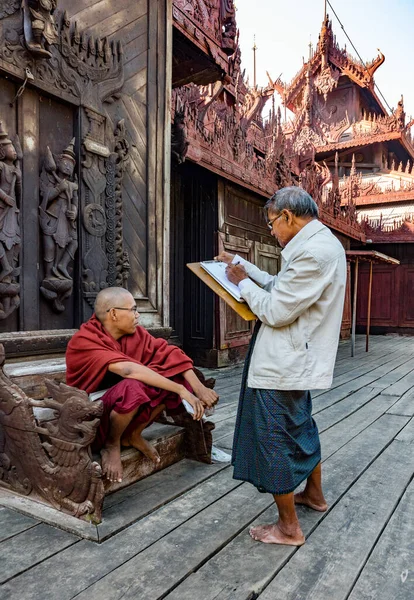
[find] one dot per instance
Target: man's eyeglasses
(270, 223)
(134, 309)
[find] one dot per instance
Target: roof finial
(254, 61)
(324, 16)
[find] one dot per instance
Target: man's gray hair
(294, 199)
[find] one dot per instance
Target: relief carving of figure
(10, 198)
(39, 26)
(58, 213)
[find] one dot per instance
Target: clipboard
(241, 308)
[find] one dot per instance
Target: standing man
(276, 444)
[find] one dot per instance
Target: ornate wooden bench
(46, 429)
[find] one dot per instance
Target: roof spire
(254, 60)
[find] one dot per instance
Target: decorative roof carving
(76, 64)
(225, 132)
(326, 64)
(381, 231)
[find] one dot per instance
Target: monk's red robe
(92, 349)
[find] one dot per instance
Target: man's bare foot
(272, 534)
(141, 444)
(302, 498)
(111, 463)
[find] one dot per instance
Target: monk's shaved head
(109, 298)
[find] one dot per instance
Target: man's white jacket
(301, 312)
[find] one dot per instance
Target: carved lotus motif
(327, 81)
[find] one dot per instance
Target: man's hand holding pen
(235, 272)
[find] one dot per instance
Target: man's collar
(304, 234)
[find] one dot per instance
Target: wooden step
(168, 440)
(29, 375)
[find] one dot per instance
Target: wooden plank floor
(192, 542)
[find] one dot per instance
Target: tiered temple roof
(340, 122)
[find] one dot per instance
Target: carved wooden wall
(144, 27)
(101, 77)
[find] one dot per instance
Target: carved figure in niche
(10, 242)
(179, 142)
(39, 26)
(58, 212)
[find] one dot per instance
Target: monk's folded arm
(131, 370)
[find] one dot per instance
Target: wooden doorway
(193, 228)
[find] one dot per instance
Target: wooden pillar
(354, 307)
(28, 119)
(369, 305)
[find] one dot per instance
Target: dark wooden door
(193, 227)
(40, 123)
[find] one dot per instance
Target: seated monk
(144, 375)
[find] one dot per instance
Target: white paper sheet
(218, 271)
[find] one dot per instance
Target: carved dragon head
(78, 418)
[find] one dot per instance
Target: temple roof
(332, 62)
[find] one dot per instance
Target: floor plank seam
(150, 511)
(397, 503)
(334, 504)
(356, 390)
(155, 542)
(362, 431)
(38, 563)
(214, 553)
(10, 537)
(348, 414)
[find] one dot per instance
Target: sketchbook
(217, 270)
(241, 308)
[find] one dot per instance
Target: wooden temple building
(131, 144)
(366, 158)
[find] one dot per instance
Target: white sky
(284, 28)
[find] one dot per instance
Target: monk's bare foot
(313, 503)
(111, 463)
(141, 444)
(272, 534)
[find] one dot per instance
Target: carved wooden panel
(234, 331)
(8, 116)
(267, 257)
(102, 78)
(57, 127)
(242, 212)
